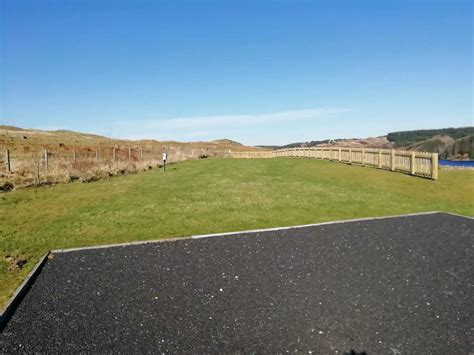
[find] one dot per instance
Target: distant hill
(450, 143)
(447, 147)
(227, 142)
(372, 142)
(24, 140)
(407, 138)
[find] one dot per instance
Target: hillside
(20, 139)
(447, 147)
(228, 142)
(408, 138)
(371, 142)
(450, 143)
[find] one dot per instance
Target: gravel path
(396, 286)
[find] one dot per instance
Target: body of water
(457, 163)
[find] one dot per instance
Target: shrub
(7, 186)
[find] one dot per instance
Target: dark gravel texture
(393, 286)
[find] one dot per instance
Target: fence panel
(356, 156)
(403, 161)
(371, 157)
(345, 155)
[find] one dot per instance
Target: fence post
(74, 156)
(350, 155)
(412, 163)
(380, 159)
(141, 153)
(363, 157)
(7, 161)
(113, 154)
(46, 158)
(340, 154)
(129, 154)
(434, 166)
(392, 160)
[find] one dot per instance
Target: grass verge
(210, 196)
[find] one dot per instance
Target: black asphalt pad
(387, 286)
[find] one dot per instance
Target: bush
(7, 186)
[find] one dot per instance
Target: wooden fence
(415, 163)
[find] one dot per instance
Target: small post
(7, 161)
(129, 154)
(350, 155)
(74, 155)
(392, 160)
(165, 158)
(380, 159)
(46, 158)
(141, 153)
(114, 155)
(340, 155)
(363, 157)
(412, 163)
(434, 166)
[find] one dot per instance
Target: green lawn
(209, 196)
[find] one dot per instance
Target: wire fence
(42, 165)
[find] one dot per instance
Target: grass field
(210, 196)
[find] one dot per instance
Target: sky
(258, 72)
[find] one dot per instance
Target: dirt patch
(15, 262)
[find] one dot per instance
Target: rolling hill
(19, 139)
(449, 143)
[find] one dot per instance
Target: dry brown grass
(74, 156)
(32, 170)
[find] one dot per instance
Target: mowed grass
(211, 196)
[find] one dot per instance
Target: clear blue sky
(256, 72)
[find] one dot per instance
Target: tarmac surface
(388, 286)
